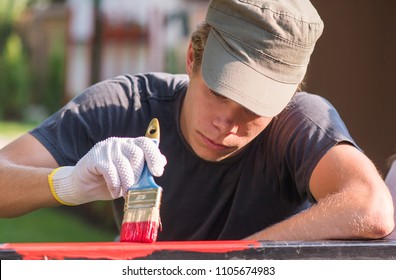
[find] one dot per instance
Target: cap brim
(228, 76)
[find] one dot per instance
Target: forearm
(342, 215)
(23, 189)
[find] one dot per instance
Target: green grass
(51, 225)
(11, 129)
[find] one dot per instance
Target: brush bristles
(140, 225)
(141, 216)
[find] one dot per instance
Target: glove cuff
(60, 182)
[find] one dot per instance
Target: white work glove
(106, 171)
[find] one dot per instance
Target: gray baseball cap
(258, 51)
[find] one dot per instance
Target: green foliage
(11, 9)
(14, 69)
(52, 97)
(18, 80)
(15, 81)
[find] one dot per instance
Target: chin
(213, 157)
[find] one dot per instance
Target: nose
(225, 126)
(226, 119)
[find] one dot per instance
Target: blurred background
(50, 50)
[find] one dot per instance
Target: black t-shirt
(231, 199)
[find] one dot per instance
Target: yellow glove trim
(51, 185)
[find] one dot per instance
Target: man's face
(214, 126)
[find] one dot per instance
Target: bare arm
(353, 202)
(24, 167)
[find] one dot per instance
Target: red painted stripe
(120, 250)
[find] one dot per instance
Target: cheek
(255, 127)
(196, 111)
(202, 118)
(201, 107)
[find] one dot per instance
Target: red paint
(139, 232)
(120, 250)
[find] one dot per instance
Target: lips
(213, 145)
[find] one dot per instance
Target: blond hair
(198, 42)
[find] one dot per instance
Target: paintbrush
(141, 209)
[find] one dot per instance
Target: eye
(216, 94)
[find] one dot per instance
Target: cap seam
(282, 13)
(274, 33)
(261, 73)
(291, 65)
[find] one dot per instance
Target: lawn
(11, 129)
(51, 225)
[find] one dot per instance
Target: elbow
(388, 224)
(380, 219)
(382, 228)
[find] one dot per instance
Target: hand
(106, 171)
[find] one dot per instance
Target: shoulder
(304, 132)
(310, 105)
(159, 84)
(313, 112)
(145, 85)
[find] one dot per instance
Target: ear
(190, 59)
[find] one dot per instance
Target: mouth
(213, 145)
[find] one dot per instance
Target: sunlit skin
(214, 126)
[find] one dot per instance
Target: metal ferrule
(143, 198)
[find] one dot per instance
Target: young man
(247, 156)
